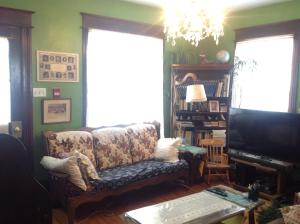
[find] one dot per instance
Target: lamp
(193, 20)
(195, 93)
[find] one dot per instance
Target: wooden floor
(110, 210)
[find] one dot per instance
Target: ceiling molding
(231, 5)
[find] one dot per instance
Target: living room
(63, 26)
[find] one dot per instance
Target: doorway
(15, 74)
(5, 89)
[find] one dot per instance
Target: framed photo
(223, 108)
(57, 67)
(213, 106)
(56, 111)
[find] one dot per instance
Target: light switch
(39, 92)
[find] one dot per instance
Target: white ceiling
(229, 4)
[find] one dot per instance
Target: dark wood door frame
(17, 23)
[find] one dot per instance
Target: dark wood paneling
(282, 28)
(120, 25)
(84, 71)
(15, 17)
(15, 24)
(295, 72)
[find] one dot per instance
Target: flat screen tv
(271, 134)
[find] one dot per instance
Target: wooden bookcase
(199, 120)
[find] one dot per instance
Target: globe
(223, 56)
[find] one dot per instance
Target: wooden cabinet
(271, 174)
(197, 120)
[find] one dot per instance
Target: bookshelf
(196, 121)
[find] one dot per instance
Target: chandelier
(193, 20)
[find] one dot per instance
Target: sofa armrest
(61, 176)
(60, 185)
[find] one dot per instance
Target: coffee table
(203, 207)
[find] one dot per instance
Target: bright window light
(124, 78)
(267, 87)
(4, 82)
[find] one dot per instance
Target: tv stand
(271, 172)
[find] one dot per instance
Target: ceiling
(229, 4)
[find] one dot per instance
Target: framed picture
(213, 106)
(223, 108)
(56, 111)
(57, 67)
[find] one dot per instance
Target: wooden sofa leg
(71, 213)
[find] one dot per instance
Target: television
(267, 134)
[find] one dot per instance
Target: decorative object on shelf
(223, 56)
(56, 110)
(192, 20)
(203, 59)
(213, 106)
(57, 67)
(195, 93)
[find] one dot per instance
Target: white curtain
(124, 78)
(4, 83)
(267, 87)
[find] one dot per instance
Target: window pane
(267, 87)
(124, 78)
(4, 81)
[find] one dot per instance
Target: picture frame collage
(57, 67)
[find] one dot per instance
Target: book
(226, 84)
(219, 89)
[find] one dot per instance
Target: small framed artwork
(56, 111)
(213, 106)
(223, 108)
(57, 67)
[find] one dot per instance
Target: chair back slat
(214, 149)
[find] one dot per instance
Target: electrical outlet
(39, 92)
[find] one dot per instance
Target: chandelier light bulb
(193, 20)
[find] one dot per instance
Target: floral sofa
(123, 158)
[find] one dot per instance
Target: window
(273, 83)
(124, 74)
(267, 86)
(4, 82)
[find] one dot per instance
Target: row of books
(213, 88)
(187, 136)
(220, 124)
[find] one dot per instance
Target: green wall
(57, 27)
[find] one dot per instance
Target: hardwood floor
(110, 210)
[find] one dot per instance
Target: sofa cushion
(69, 166)
(60, 143)
(119, 176)
(143, 139)
(111, 147)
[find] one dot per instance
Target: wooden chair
(216, 162)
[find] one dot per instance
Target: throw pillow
(68, 165)
(166, 149)
(86, 165)
(166, 142)
(291, 214)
